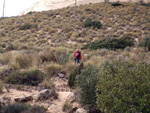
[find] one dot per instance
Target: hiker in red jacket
(77, 56)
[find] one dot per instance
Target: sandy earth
(45, 5)
(53, 106)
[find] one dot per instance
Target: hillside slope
(57, 28)
(45, 5)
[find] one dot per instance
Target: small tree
(86, 83)
(90, 23)
(124, 87)
(72, 77)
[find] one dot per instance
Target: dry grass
(66, 106)
(58, 26)
(47, 83)
(52, 68)
(1, 86)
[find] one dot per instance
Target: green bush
(15, 108)
(72, 77)
(62, 59)
(146, 4)
(27, 26)
(86, 83)
(22, 108)
(90, 23)
(147, 43)
(35, 109)
(112, 44)
(116, 4)
(33, 77)
(1, 86)
(1, 50)
(124, 87)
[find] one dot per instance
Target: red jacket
(77, 55)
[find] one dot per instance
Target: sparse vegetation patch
(112, 44)
(32, 78)
(90, 23)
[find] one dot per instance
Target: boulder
(44, 94)
(35, 97)
(23, 99)
(81, 110)
(71, 97)
(61, 75)
(73, 110)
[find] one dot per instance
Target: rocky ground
(53, 100)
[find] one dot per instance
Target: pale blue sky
(14, 7)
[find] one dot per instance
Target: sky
(14, 7)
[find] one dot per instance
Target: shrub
(1, 86)
(47, 83)
(27, 26)
(145, 4)
(1, 49)
(90, 23)
(35, 109)
(22, 108)
(15, 108)
(124, 87)
(112, 44)
(29, 13)
(147, 43)
(5, 58)
(25, 78)
(46, 56)
(116, 4)
(69, 67)
(52, 68)
(21, 61)
(74, 73)
(86, 83)
(62, 59)
(67, 106)
(10, 46)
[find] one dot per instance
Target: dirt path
(53, 106)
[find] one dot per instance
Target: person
(77, 56)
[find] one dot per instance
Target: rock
(45, 105)
(81, 110)
(23, 99)
(94, 110)
(71, 97)
(61, 75)
(44, 94)
(73, 110)
(35, 97)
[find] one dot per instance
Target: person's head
(77, 50)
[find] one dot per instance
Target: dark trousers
(77, 60)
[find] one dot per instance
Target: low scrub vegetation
(124, 87)
(27, 26)
(67, 106)
(21, 108)
(111, 43)
(86, 83)
(52, 68)
(147, 43)
(32, 78)
(74, 73)
(117, 4)
(90, 23)
(1, 86)
(21, 61)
